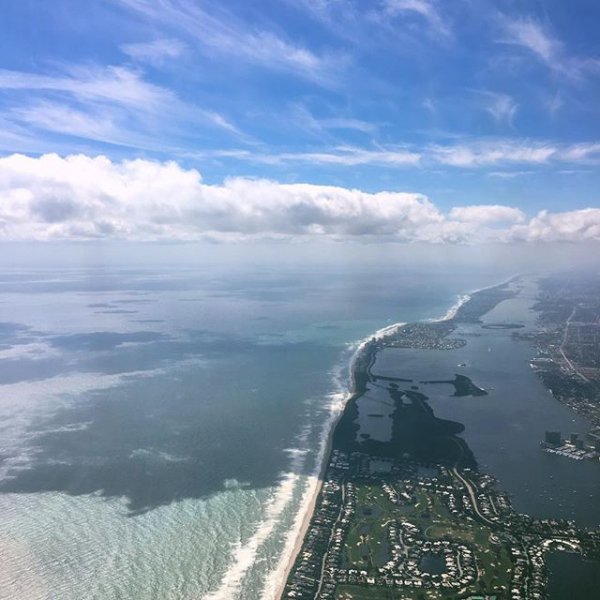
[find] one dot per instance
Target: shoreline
(355, 389)
(309, 511)
(466, 297)
(309, 507)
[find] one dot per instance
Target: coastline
(366, 348)
(308, 508)
(307, 514)
(466, 297)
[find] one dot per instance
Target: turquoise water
(161, 427)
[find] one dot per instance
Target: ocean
(162, 425)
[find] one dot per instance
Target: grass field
(366, 543)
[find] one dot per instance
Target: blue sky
(469, 102)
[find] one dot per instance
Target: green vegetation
(366, 544)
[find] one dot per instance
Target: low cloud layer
(490, 213)
(80, 197)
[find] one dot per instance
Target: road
(331, 536)
(469, 486)
(562, 346)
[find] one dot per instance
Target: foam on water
(244, 555)
(155, 555)
(335, 406)
(453, 310)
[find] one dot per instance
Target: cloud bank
(82, 197)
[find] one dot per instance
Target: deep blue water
(572, 576)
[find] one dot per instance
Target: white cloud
(218, 31)
(426, 9)
(78, 196)
(303, 118)
(63, 119)
(572, 226)
(487, 213)
(350, 156)
(533, 37)
(502, 107)
(105, 124)
(16, 137)
(483, 153)
(471, 154)
(156, 52)
(582, 153)
(342, 156)
(117, 85)
(348, 123)
(509, 174)
(107, 104)
(539, 41)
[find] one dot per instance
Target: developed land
(413, 517)
(568, 343)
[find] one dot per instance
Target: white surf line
(275, 582)
(453, 310)
(243, 556)
(464, 298)
(276, 579)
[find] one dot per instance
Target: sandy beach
(310, 506)
(326, 452)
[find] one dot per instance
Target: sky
(406, 120)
